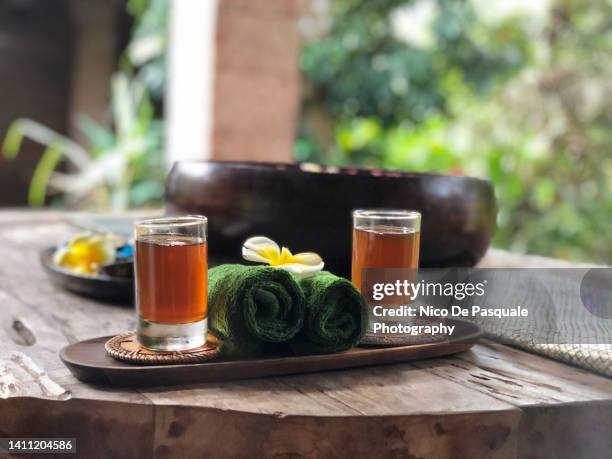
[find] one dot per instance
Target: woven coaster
(124, 347)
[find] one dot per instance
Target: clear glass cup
(171, 271)
(384, 239)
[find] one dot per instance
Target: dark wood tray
(88, 361)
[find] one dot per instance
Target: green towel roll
(335, 315)
(252, 306)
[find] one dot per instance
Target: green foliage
(121, 166)
(529, 110)
(359, 69)
(146, 51)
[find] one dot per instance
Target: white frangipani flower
(264, 250)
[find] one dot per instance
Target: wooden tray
(88, 361)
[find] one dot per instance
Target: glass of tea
(386, 251)
(385, 238)
(171, 269)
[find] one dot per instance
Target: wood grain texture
(467, 435)
(491, 402)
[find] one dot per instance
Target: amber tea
(172, 287)
(383, 247)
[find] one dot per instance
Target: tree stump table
(491, 402)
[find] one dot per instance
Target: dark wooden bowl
(309, 208)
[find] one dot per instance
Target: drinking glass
(384, 238)
(171, 268)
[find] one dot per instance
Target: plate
(101, 286)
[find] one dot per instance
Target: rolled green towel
(252, 306)
(335, 315)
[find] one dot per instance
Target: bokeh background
(516, 91)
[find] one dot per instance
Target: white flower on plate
(85, 253)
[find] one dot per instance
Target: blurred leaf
(146, 48)
(100, 138)
(12, 140)
(544, 193)
(122, 102)
(45, 167)
(145, 192)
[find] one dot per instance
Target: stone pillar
(256, 85)
(233, 85)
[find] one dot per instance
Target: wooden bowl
(308, 208)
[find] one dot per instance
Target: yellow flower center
(277, 259)
(84, 254)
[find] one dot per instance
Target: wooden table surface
(492, 402)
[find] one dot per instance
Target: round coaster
(124, 347)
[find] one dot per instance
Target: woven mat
(125, 347)
(557, 320)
